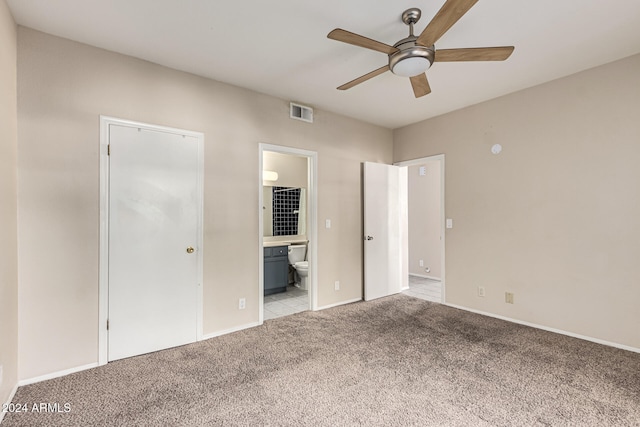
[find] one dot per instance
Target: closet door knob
(190, 250)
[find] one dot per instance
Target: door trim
(103, 275)
(422, 160)
(312, 228)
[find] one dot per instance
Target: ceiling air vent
(300, 112)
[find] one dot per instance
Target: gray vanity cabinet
(276, 269)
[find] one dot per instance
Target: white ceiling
(280, 48)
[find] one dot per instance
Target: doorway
(286, 174)
(426, 228)
(150, 238)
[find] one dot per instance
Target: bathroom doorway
(426, 228)
(287, 231)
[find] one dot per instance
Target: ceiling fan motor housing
(411, 59)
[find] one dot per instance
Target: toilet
(297, 254)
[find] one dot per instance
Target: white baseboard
(546, 328)
(422, 276)
(11, 395)
(229, 331)
(324, 307)
(57, 374)
(94, 365)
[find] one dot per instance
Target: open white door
(385, 230)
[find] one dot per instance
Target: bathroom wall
(554, 217)
(292, 170)
(63, 88)
(8, 206)
(424, 220)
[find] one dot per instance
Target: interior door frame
(439, 158)
(103, 279)
(312, 226)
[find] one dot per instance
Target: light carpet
(397, 361)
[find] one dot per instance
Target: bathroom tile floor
(294, 300)
(427, 289)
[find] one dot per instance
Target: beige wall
(8, 205)
(63, 88)
(555, 217)
(424, 220)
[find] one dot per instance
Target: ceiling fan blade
(364, 78)
(499, 53)
(448, 15)
(420, 85)
(358, 40)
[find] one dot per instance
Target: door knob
(190, 250)
(369, 237)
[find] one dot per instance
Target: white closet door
(153, 222)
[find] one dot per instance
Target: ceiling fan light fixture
(411, 60)
(412, 66)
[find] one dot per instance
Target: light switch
(449, 223)
(327, 223)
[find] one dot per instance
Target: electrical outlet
(508, 297)
(421, 263)
(242, 303)
(481, 291)
(337, 285)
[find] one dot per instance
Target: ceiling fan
(413, 55)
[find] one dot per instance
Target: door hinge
(107, 324)
(108, 149)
